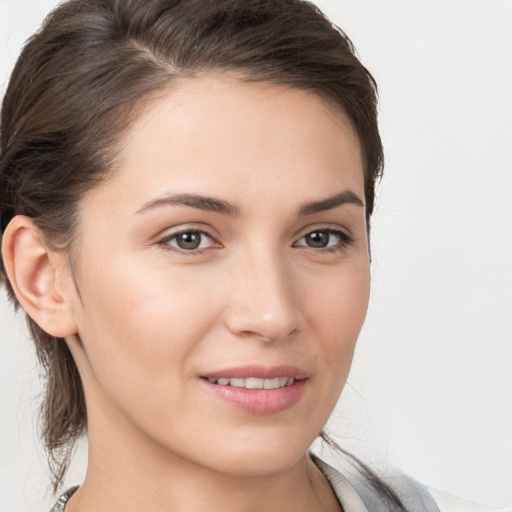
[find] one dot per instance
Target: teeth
(272, 383)
(236, 383)
(253, 382)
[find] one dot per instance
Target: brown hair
(74, 90)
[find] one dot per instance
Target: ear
(39, 277)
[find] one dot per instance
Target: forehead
(217, 134)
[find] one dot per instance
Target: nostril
(267, 336)
(264, 308)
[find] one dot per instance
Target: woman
(188, 192)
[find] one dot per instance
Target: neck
(129, 473)
(298, 489)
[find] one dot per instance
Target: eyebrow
(345, 197)
(208, 204)
(212, 204)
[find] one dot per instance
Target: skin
(152, 318)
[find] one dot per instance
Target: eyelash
(165, 242)
(344, 240)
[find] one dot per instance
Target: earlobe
(36, 274)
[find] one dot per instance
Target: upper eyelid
(206, 230)
(333, 228)
(345, 238)
(166, 239)
(165, 242)
(185, 228)
(170, 236)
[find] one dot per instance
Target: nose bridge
(265, 303)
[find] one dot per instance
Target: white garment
(356, 495)
(448, 503)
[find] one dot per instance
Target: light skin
(265, 185)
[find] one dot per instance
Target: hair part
(82, 80)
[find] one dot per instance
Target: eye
(325, 239)
(189, 241)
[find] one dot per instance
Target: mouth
(253, 382)
(258, 390)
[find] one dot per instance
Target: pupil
(189, 240)
(318, 239)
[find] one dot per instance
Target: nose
(264, 302)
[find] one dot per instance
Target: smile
(253, 382)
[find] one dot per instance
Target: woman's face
(223, 276)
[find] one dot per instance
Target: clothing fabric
(357, 494)
(61, 502)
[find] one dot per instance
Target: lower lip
(259, 401)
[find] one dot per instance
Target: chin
(261, 456)
(259, 465)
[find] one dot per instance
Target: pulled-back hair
(80, 82)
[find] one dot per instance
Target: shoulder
(448, 503)
(415, 496)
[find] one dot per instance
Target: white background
(431, 386)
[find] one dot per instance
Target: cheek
(140, 328)
(337, 311)
(339, 302)
(136, 355)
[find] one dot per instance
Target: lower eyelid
(168, 238)
(343, 239)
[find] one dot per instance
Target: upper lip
(259, 372)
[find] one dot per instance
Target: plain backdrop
(431, 385)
